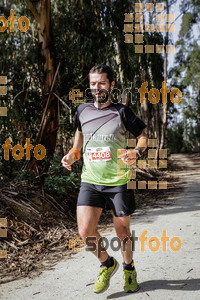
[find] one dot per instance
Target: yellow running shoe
(130, 282)
(103, 280)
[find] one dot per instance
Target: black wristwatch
(139, 151)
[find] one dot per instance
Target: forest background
(64, 40)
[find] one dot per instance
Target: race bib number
(99, 153)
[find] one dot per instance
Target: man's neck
(102, 105)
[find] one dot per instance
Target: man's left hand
(128, 156)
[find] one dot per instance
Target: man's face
(100, 82)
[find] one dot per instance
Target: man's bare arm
(78, 140)
(131, 155)
(142, 141)
(69, 159)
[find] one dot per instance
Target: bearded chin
(101, 99)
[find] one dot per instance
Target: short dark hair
(103, 69)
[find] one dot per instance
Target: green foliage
(186, 75)
(27, 177)
(188, 20)
(175, 139)
(60, 183)
(59, 180)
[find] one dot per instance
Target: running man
(100, 130)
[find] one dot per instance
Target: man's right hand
(68, 160)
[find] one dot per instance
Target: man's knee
(122, 231)
(85, 232)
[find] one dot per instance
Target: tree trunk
(155, 110)
(144, 106)
(164, 115)
(49, 125)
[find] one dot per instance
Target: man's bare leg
(122, 228)
(87, 219)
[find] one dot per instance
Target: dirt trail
(162, 275)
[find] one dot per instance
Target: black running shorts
(119, 198)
